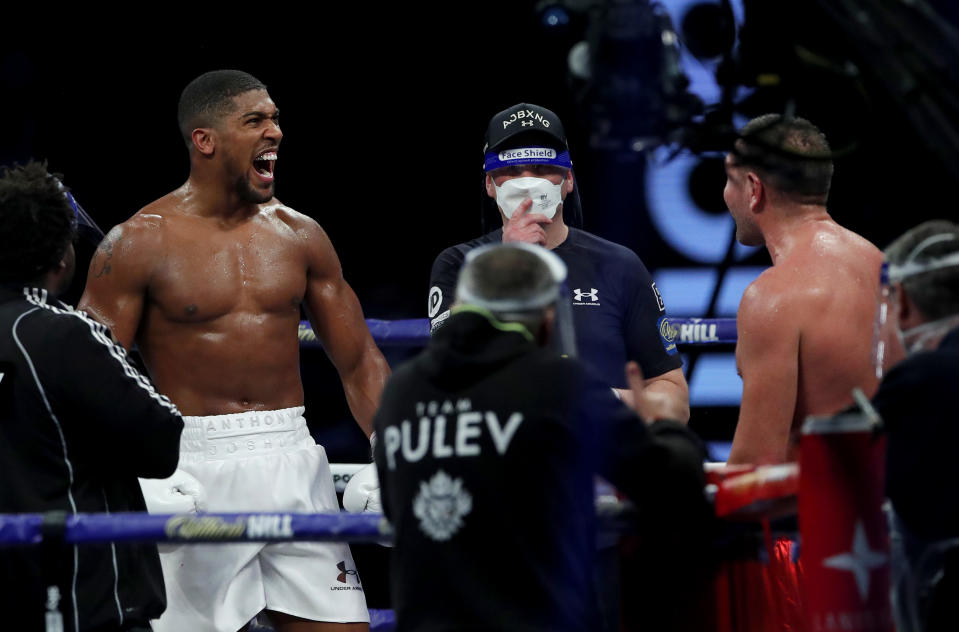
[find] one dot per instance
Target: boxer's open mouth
(264, 163)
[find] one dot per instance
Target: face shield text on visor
(546, 196)
(557, 295)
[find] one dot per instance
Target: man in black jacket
(487, 447)
(78, 425)
(917, 401)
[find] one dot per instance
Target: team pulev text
(447, 430)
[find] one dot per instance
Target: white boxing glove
(178, 494)
(362, 493)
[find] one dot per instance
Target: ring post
(53, 531)
(845, 535)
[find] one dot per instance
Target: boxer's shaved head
(37, 223)
(209, 97)
(936, 292)
(791, 154)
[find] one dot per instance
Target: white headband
(541, 299)
(909, 267)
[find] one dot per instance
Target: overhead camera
(628, 78)
(626, 72)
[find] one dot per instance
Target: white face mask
(546, 196)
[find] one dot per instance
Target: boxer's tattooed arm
(103, 257)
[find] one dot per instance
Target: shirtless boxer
(804, 342)
(208, 281)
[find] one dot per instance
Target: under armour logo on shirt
(527, 123)
(344, 572)
(592, 295)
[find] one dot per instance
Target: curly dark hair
(209, 97)
(37, 222)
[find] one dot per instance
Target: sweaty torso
(835, 277)
(219, 325)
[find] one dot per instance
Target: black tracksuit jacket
(78, 425)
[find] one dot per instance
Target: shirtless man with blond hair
(803, 325)
(208, 281)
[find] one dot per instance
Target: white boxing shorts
(258, 461)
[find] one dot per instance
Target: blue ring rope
(416, 332)
(86, 528)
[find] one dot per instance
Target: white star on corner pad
(860, 561)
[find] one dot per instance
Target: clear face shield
(83, 224)
(564, 337)
(557, 295)
(890, 342)
(886, 347)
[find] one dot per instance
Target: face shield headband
(909, 268)
(539, 300)
(557, 294)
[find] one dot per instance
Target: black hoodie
(487, 449)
